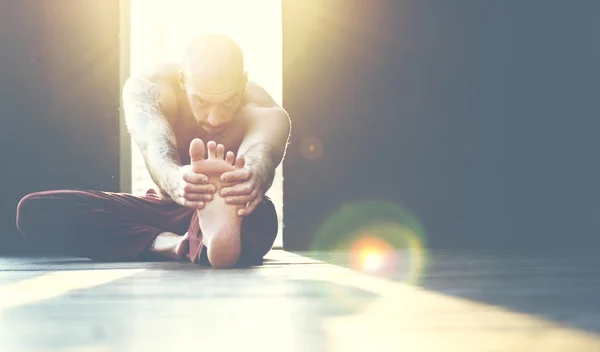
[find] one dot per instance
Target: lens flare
(381, 238)
(311, 148)
(372, 261)
(371, 254)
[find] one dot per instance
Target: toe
(196, 150)
(230, 158)
(212, 149)
(240, 162)
(220, 151)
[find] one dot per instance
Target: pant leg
(259, 231)
(99, 225)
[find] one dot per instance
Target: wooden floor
(465, 301)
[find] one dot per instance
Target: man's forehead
(214, 78)
(215, 87)
(216, 92)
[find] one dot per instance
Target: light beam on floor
(56, 284)
(401, 317)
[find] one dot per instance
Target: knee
(35, 211)
(25, 212)
(259, 231)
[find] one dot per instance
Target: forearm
(263, 160)
(163, 165)
(150, 129)
(266, 142)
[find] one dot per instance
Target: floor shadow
(558, 285)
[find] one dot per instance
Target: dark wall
(480, 117)
(59, 98)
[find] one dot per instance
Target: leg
(99, 225)
(219, 222)
(259, 231)
(258, 234)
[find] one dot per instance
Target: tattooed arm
(267, 135)
(143, 103)
(263, 148)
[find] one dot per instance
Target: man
(210, 206)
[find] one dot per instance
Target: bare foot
(170, 246)
(181, 250)
(219, 222)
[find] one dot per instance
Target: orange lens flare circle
(380, 238)
(372, 254)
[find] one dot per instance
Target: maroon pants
(120, 227)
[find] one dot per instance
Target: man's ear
(182, 79)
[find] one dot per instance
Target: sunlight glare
(161, 29)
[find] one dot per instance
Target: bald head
(214, 80)
(213, 64)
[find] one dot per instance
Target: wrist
(172, 180)
(261, 172)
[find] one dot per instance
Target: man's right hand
(192, 190)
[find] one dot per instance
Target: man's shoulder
(258, 97)
(259, 104)
(165, 72)
(161, 78)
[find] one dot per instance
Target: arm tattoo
(144, 117)
(150, 130)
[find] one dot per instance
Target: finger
(191, 204)
(230, 158)
(220, 151)
(197, 197)
(212, 149)
(241, 200)
(240, 189)
(236, 175)
(240, 162)
(199, 189)
(250, 208)
(194, 178)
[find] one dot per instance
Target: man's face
(214, 103)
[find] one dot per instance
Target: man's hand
(192, 189)
(246, 189)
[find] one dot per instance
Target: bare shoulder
(263, 115)
(154, 86)
(258, 97)
(149, 103)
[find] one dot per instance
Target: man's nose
(213, 119)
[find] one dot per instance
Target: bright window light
(161, 29)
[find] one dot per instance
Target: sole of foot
(219, 222)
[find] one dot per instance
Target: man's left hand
(243, 186)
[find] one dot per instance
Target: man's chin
(214, 132)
